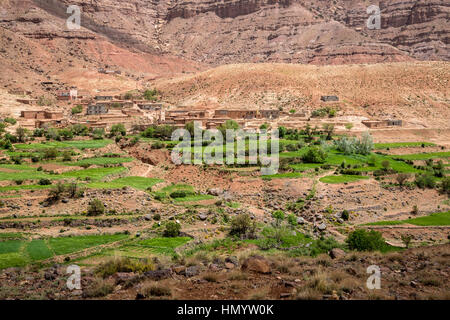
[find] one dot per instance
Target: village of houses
(104, 111)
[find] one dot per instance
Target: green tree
(172, 229)
(118, 129)
(96, 208)
(363, 240)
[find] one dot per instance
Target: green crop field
(435, 219)
(424, 156)
(99, 161)
(140, 183)
(78, 144)
(14, 253)
(403, 145)
(342, 178)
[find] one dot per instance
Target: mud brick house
(235, 113)
(329, 98)
(382, 123)
(269, 114)
(40, 118)
(19, 92)
(95, 109)
(41, 114)
(27, 101)
(149, 106)
(71, 94)
(103, 98)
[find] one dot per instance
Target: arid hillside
(299, 31)
(418, 92)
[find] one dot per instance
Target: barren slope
(417, 92)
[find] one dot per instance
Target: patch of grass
(342, 178)
(402, 145)
(424, 156)
(65, 245)
(11, 236)
(140, 183)
(99, 161)
(435, 219)
(79, 144)
(38, 250)
(92, 173)
(283, 175)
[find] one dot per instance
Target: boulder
(256, 264)
(158, 274)
(192, 271)
(322, 226)
(337, 253)
(202, 217)
(148, 217)
(301, 220)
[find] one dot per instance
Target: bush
(172, 229)
(425, 180)
(10, 120)
(99, 288)
(363, 240)
(118, 129)
(315, 155)
(96, 208)
(402, 178)
(242, 226)
(44, 182)
(178, 194)
(77, 109)
(345, 215)
(363, 146)
(111, 267)
(445, 185)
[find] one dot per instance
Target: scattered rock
(337, 253)
(257, 264)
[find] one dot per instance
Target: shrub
(77, 109)
(96, 208)
(363, 240)
(155, 291)
(67, 156)
(445, 185)
(10, 120)
(158, 145)
(385, 164)
(242, 225)
(425, 180)
(99, 288)
(178, 194)
(315, 155)
(111, 267)
(156, 217)
(118, 129)
(44, 182)
(363, 146)
(172, 229)
(148, 133)
(402, 178)
(345, 215)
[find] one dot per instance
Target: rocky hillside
(294, 31)
(148, 39)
